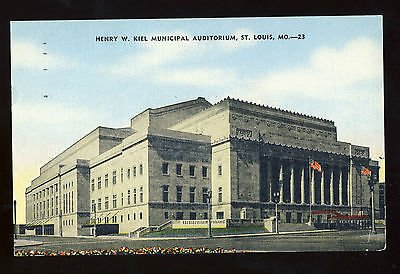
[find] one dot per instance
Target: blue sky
(336, 72)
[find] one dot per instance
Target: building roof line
(275, 109)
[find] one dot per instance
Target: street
(305, 242)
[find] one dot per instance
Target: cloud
(154, 55)
(30, 55)
(199, 77)
(327, 71)
(231, 45)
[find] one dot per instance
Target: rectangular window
(179, 215)
(134, 171)
(220, 194)
(219, 170)
(141, 169)
(165, 168)
(114, 200)
(51, 190)
(179, 169)
(56, 205)
(134, 196)
(56, 188)
(122, 199)
(204, 171)
(99, 183)
(220, 214)
(134, 216)
(205, 195)
(205, 215)
(191, 170)
(140, 215)
(114, 179)
(166, 215)
(128, 173)
(99, 204)
(179, 194)
(122, 218)
(93, 206)
(192, 215)
(141, 194)
(129, 197)
(128, 217)
(122, 175)
(106, 203)
(72, 201)
(165, 193)
(92, 185)
(106, 180)
(191, 194)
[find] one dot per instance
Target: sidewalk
(22, 243)
(216, 236)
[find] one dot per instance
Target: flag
(365, 171)
(315, 165)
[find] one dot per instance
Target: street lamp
(371, 183)
(95, 220)
(209, 195)
(15, 219)
(59, 198)
(276, 196)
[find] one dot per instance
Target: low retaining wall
(182, 224)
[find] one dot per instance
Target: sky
(65, 83)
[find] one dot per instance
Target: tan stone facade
(161, 167)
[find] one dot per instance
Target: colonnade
(299, 184)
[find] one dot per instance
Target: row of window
(114, 177)
(192, 192)
(178, 170)
(49, 207)
(45, 209)
(98, 207)
(51, 190)
(180, 215)
(114, 219)
(68, 222)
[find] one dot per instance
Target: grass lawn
(169, 232)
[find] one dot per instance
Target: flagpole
(309, 187)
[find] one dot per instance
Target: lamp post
(15, 219)
(95, 221)
(59, 198)
(209, 195)
(371, 183)
(276, 196)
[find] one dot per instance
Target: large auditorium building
(162, 167)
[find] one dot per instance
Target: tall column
(291, 183)
(331, 187)
(312, 187)
(348, 189)
(280, 184)
(302, 186)
(322, 188)
(269, 180)
(340, 186)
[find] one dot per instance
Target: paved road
(327, 241)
